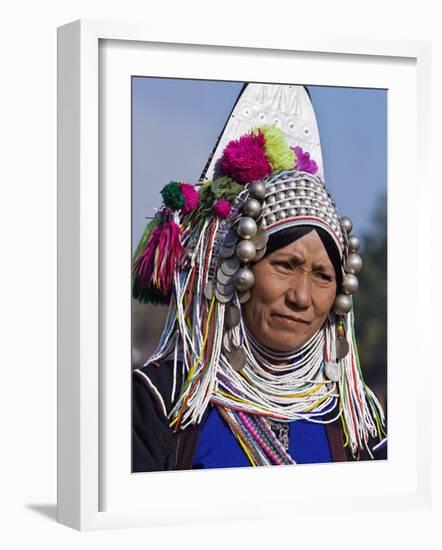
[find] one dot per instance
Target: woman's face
(294, 290)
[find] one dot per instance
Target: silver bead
(280, 196)
(350, 283)
(346, 224)
(252, 208)
(302, 183)
(246, 227)
(307, 202)
(280, 187)
(276, 207)
(342, 304)
(316, 204)
(302, 211)
(271, 199)
(245, 251)
(257, 190)
(244, 279)
(311, 194)
(353, 243)
(281, 215)
(291, 184)
(290, 194)
(312, 212)
(301, 193)
(321, 215)
(291, 212)
(328, 219)
(297, 202)
(353, 264)
(286, 204)
(266, 212)
(311, 184)
(270, 189)
(271, 219)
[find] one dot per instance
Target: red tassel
(156, 266)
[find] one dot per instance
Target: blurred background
(175, 124)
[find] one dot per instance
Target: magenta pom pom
(304, 163)
(222, 208)
(191, 197)
(244, 159)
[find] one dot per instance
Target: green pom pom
(277, 150)
(226, 188)
(172, 196)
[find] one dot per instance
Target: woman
(257, 364)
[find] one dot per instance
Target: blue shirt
(218, 447)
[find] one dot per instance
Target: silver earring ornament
(352, 265)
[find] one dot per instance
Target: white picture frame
(91, 493)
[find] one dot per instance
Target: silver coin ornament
(353, 264)
(333, 371)
(230, 239)
(353, 243)
(237, 359)
(342, 304)
(260, 254)
(257, 190)
(342, 348)
(246, 251)
(230, 266)
(227, 251)
(260, 239)
(246, 227)
(252, 208)
(223, 298)
(232, 316)
(350, 283)
(244, 297)
(346, 224)
(244, 279)
(222, 278)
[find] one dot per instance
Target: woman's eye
(285, 265)
(323, 276)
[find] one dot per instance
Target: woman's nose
(299, 293)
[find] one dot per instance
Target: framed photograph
(187, 173)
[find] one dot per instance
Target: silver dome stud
(244, 279)
(353, 243)
(246, 227)
(346, 224)
(350, 283)
(353, 264)
(252, 208)
(257, 190)
(245, 251)
(342, 304)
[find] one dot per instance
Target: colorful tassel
(154, 269)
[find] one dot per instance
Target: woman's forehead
(309, 247)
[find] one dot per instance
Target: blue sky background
(175, 124)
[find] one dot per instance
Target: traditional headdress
(264, 175)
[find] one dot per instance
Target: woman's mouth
(290, 321)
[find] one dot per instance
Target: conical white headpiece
(287, 106)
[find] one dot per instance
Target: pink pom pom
(244, 160)
(222, 208)
(191, 197)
